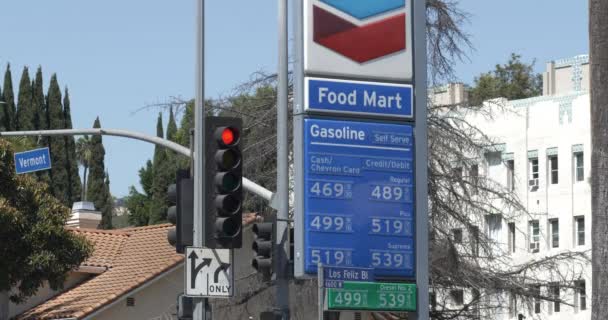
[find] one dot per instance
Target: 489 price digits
(391, 193)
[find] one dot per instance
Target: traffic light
(263, 246)
(223, 183)
(181, 213)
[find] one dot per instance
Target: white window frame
(534, 237)
(579, 164)
(551, 170)
(577, 232)
(552, 233)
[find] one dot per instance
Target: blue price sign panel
(334, 277)
(33, 160)
(359, 194)
(359, 97)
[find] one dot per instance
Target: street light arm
(247, 184)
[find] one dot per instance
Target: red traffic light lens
(228, 136)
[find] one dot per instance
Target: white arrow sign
(209, 272)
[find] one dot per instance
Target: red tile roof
(133, 256)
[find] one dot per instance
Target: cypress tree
(96, 183)
(161, 180)
(25, 110)
(40, 118)
(10, 118)
(75, 187)
(171, 127)
(59, 174)
(107, 206)
(2, 112)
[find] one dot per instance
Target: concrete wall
(154, 302)
(45, 293)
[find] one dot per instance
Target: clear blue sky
(118, 56)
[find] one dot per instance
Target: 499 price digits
(331, 223)
(350, 299)
(391, 193)
(331, 189)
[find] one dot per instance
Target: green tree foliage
(171, 127)
(34, 244)
(164, 175)
(26, 113)
(60, 183)
(513, 80)
(9, 98)
(84, 154)
(2, 112)
(139, 207)
(96, 185)
(41, 120)
(75, 187)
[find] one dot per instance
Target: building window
(457, 172)
(537, 301)
(433, 300)
(511, 175)
(553, 170)
(580, 231)
(533, 183)
(474, 178)
(474, 240)
(555, 295)
(457, 235)
(511, 237)
(512, 305)
(457, 297)
(581, 295)
(554, 229)
(534, 236)
(494, 224)
(579, 167)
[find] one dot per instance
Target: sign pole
(199, 304)
(420, 132)
(282, 241)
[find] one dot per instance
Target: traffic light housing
(223, 183)
(263, 247)
(181, 213)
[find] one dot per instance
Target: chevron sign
(361, 38)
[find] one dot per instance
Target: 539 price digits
(391, 259)
(393, 299)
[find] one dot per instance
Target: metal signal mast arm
(247, 184)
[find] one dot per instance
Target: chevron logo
(346, 32)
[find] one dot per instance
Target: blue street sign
(359, 98)
(33, 160)
(359, 196)
(334, 277)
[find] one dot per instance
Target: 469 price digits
(331, 189)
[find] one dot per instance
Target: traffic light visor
(227, 182)
(228, 159)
